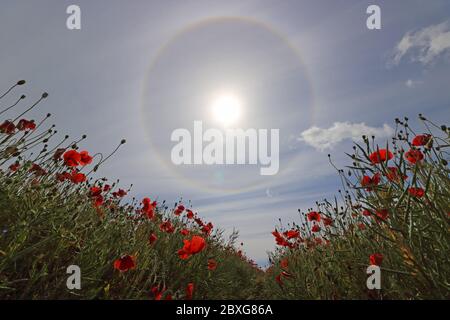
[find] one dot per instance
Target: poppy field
(56, 210)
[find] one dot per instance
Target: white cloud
(412, 83)
(425, 45)
(322, 139)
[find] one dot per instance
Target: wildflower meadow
(56, 210)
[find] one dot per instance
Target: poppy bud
(44, 95)
(22, 96)
(123, 141)
(20, 82)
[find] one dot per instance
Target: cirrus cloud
(322, 139)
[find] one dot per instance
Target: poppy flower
(26, 125)
(148, 207)
(206, 229)
(278, 280)
(191, 247)
(313, 216)
(7, 127)
(184, 232)
(189, 214)
(416, 192)
(189, 291)
(179, 210)
(292, 234)
(284, 263)
(376, 259)
(157, 294)
(119, 194)
(366, 213)
(167, 226)
(63, 176)
(15, 166)
(125, 263)
(327, 221)
(212, 264)
(315, 228)
(380, 156)
(85, 158)
(370, 182)
(413, 156)
(72, 158)
(95, 191)
(98, 201)
(394, 175)
(421, 140)
(361, 226)
(382, 214)
(106, 187)
(77, 177)
(152, 239)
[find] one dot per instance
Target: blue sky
(139, 69)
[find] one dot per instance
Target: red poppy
(376, 259)
(184, 232)
(148, 207)
(193, 246)
(167, 226)
(370, 182)
(85, 158)
(366, 213)
(382, 214)
(106, 187)
(72, 158)
(416, 192)
(315, 228)
(189, 214)
(380, 156)
(157, 293)
(393, 174)
(95, 191)
(152, 239)
(284, 263)
(119, 194)
(327, 221)
(63, 176)
(292, 234)
(212, 264)
(15, 166)
(125, 263)
(98, 201)
(278, 280)
(413, 156)
(361, 226)
(313, 216)
(206, 229)
(26, 125)
(189, 291)
(421, 140)
(77, 177)
(7, 127)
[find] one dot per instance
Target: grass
(55, 212)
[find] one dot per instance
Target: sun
(226, 109)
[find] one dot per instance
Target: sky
(312, 69)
